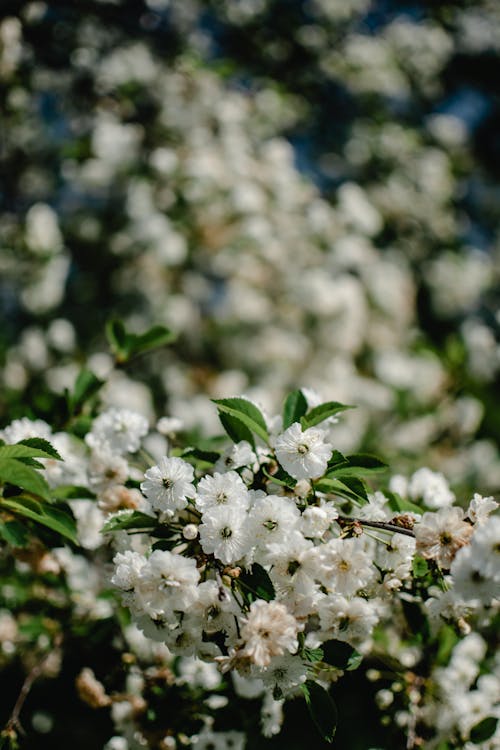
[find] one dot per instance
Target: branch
(14, 725)
(385, 526)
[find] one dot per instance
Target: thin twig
(392, 527)
(13, 723)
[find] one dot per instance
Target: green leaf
(322, 412)
(280, 477)
(485, 729)
(236, 429)
(154, 338)
(341, 655)
(87, 384)
(359, 464)
(400, 504)
(14, 533)
(420, 567)
(313, 655)
(117, 339)
(24, 450)
(337, 459)
(208, 457)
(17, 473)
(257, 582)
(125, 345)
(129, 519)
(41, 444)
(245, 412)
(57, 519)
(350, 488)
(294, 408)
(322, 709)
(72, 492)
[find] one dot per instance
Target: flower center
(270, 525)
(226, 532)
(446, 538)
(167, 483)
(293, 567)
(302, 448)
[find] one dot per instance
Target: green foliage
(483, 730)
(322, 709)
(86, 386)
(294, 408)
(256, 584)
(341, 655)
(126, 345)
(242, 419)
(58, 519)
(319, 413)
(129, 520)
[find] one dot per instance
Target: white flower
(470, 584)
(304, 454)
(272, 518)
(343, 566)
(237, 455)
(485, 546)
(269, 630)
(128, 566)
(316, 519)
(350, 620)
(106, 469)
(222, 489)
(168, 484)
(440, 535)
(283, 674)
(224, 532)
(167, 582)
(480, 508)
(21, 429)
(431, 487)
(120, 429)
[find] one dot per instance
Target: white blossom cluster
(328, 578)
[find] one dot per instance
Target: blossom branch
(383, 525)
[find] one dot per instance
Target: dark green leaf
(322, 412)
(16, 473)
(246, 412)
(322, 709)
(485, 729)
(350, 488)
(313, 655)
(236, 429)
(14, 533)
(117, 339)
(294, 408)
(57, 519)
(154, 338)
(87, 384)
(42, 445)
(359, 464)
(129, 519)
(337, 459)
(25, 450)
(72, 492)
(400, 504)
(280, 477)
(341, 655)
(209, 457)
(257, 582)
